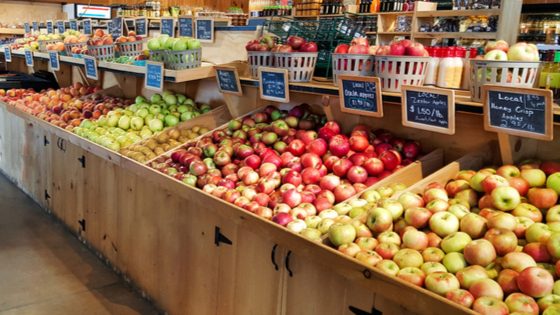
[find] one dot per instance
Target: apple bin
(394, 71)
(352, 64)
(258, 59)
(131, 49)
(102, 52)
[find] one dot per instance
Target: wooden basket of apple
(401, 63)
(260, 55)
(298, 57)
(486, 240)
(514, 66)
(130, 45)
(354, 59)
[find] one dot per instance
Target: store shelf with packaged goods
(458, 13)
(481, 35)
(395, 33)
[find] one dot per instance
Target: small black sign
(74, 25)
(168, 27)
(359, 95)
(273, 84)
(427, 108)
(87, 27)
(61, 27)
(27, 28)
(205, 30)
(227, 80)
(35, 26)
(141, 29)
(50, 27)
(523, 112)
(116, 27)
(186, 27)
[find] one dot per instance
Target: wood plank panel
(37, 163)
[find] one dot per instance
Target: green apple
(142, 113)
(170, 99)
(156, 98)
(136, 123)
(154, 44)
(183, 108)
(113, 120)
(186, 116)
(165, 93)
(205, 106)
(148, 118)
(171, 120)
(188, 101)
(181, 44)
(129, 113)
(121, 139)
(103, 120)
(193, 43)
(172, 108)
(341, 233)
(553, 182)
(169, 43)
(162, 39)
(143, 105)
(140, 99)
(181, 98)
(86, 123)
(136, 139)
(176, 113)
(114, 145)
(165, 111)
(126, 143)
(124, 122)
(155, 109)
(455, 242)
(133, 107)
(146, 132)
(156, 125)
(454, 262)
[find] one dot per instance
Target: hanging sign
(141, 27)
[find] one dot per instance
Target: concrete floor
(46, 270)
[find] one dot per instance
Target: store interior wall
(24, 11)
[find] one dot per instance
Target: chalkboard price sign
(8, 53)
(35, 26)
(53, 60)
(154, 76)
(60, 26)
(87, 27)
(29, 57)
(168, 26)
(186, 26)
(91, 67)
(205, 30)
(50, 27)
(517, 111)
(116, 27)
(228, 80)
(274, 84)
(74, 25)
(141, 27)
(360, 95)
(27, 28)
(428, 108)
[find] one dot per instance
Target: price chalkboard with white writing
(274, 84)
(7, 53)
(35, 26)
(154, 76)
(186, 26)
(517, 111)
(360, 95)
(53, 60)
(87, 27)
(228, 80)
(27, 28)
(141, 27)
(205, 30)
(428, 108)
(90, 64)
(167, 26)
(50, 27)
(60, 26)
(74, 25)
(28, 57)
(116, 27)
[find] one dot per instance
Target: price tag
(205, 30)
(360, 95)
(228, 80)
(154, 76)
(35, 26)
(91, 67)
(27, 28)
(186, 26)
(8, 53)
(167, 26)
(53, 60)
(116, 27)
(141, 27)
(428, 108)
(74, 25)
(60, 26)
(523, 112)
(274, 84)
(28, 57)
(50, 27)
(87, 27)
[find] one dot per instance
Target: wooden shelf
(12, 31)
(457, 13)
(454, 35)
(395, 13)
(394, 33)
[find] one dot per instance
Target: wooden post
(509, 21)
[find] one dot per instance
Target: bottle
(555, 77)
(544, 82)
(433, 65)
(382, 5)
(446, 69)
(374, 8)
(465, 81)
(327, 7)
(322, 10)
(458, 74)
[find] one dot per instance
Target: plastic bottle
(465, 81)
(446, 69)
(458, 74)
(433, 65)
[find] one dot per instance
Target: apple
(486, 287)
(415, 239)
(522, 52)
(444, 223)
(379, 220)
(553, 214)
(395, 49)
(502, 221)
(456, 186)
(387, 250)
(368, 243)
(414, 49)
(349, 249)
(343, 192)
(543, 198)
(476, 180)
(496, 55)
(471, 274)
(455, 242)
(340, 233)
(461, 297)
(311, 233)
(535, 282)
(493, 181)
(437, 205)
(412, 275)
(505, 198)
(499, 45)
(454, 262)
(441, 282)
(388, 266)
(432, 267)
(538, 232)
(389, 237)
(409, 200)
(480, 252)
(408, 258)
(535, 177)
(417, 217)
(553, 182)
(518, 261)
(368, 257)
(458, 210)
(433, 254)
(528, 211)
(504, 241)
(507, 279)
(553, 245)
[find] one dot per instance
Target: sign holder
(87, 27)
(60, 26)
(50, 29)
(156, 83)
(91, 67)
(54, 60)
(143, 26)
(28, 57)
(237, 82)
(166, 21)
(211, 40)
(27, 28)
(74, 25)
(35, 26)
(186, 19)
(284, 72)
(8, 53)
(450, 130)
(379, 100)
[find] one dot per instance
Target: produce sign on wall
(360, 95)
(274, 84)
(185, 26)
(428, 108)
(228, 80)
(87, 27)
(53, 60)
(91, 67)
(167, 27)
(205, 30)
(141, 29)
(517, 111)
(154, 76)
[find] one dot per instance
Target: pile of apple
(265, 165)
(489, 240)
(73, 39)
(173, 44)
(100, 38)
(62, 107)
(293, 44)
(501, 51)
(401, 48)
(357, 46)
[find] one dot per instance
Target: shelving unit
(12, 31)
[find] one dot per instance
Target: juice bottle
(446, 70)
(555, 77)
(458, 73)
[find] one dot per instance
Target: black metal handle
(47, 195)
(46, 141)
(273, 256)
(358, 311)
(220, 238)
(60, 144)
(82, 224)
(288, 264)
(83, 161)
